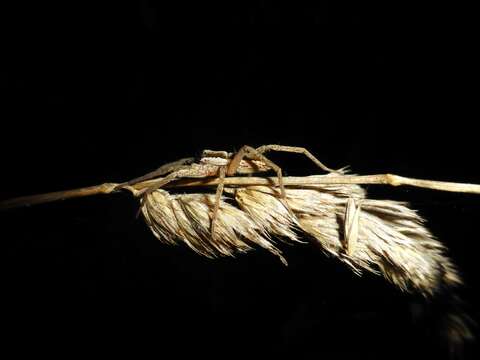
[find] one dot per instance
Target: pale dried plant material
(186, 218)
(352, 220)
(383, 237)
(379, 236)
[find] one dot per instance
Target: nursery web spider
(247, 160)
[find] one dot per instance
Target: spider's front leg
(169, 168)
(182, 171)
(163, 170)
(164, 181)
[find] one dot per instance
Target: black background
(105, 92)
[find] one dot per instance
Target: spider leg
(295, 149)
(251, 153)
(162, 170)
(218, 196)
(137, 193)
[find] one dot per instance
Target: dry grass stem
(290, 181)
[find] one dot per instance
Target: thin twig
(305, 181)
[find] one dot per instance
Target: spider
(247, 160)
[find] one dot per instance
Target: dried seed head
(381, 236)
(187, 218)
(268, 211)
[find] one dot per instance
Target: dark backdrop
(105, 92)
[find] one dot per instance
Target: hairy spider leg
(218, 195)
(162, 170)
(295, 149)
(169, 178)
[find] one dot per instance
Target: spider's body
(247, 160)
(222, 158)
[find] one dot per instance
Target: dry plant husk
(391, 238)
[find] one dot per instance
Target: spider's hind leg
(251, 153)
(295, 149)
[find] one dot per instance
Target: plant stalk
(290, 181)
